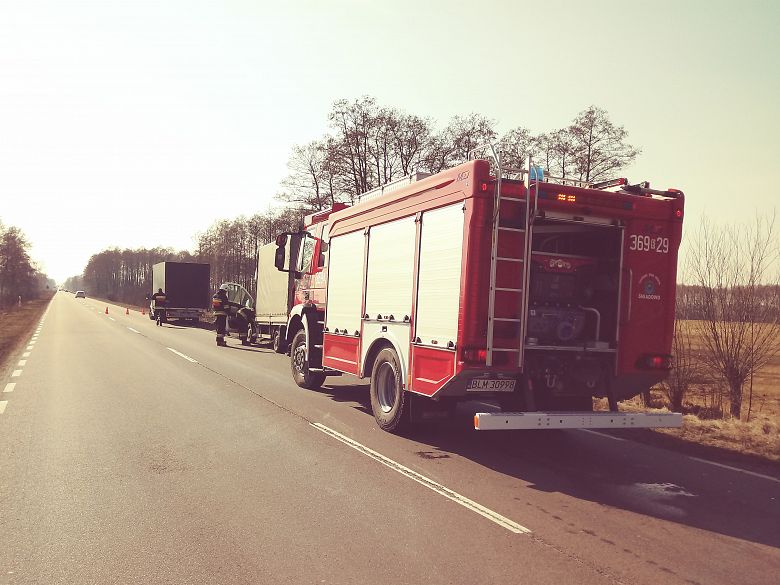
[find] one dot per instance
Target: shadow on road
(628, 475)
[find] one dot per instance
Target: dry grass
(760, 437)
(707, 422)
(766, 385)
(17, 323)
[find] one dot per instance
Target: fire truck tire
(389, 401)
(300, 367)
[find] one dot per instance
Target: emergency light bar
(609, 183)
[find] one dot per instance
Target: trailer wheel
(389, 401)
(300, 367)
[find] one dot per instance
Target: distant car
(80, 294)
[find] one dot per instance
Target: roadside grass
(17, 323)
(706, 420)
(759, 437)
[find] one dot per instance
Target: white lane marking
(29, 347)
(26, 354)
(22, 363)
(16, 373)
(427, 482)
(180, 354)
(133, 330)
(3, 404)
(10, 387)
(761, 475)
(112, 318)
(602, 435)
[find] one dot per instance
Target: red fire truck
(532, 293)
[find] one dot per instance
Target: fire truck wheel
(300, 367)
(389, 402)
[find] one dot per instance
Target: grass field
(17, 323)
(706, 402)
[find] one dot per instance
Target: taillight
(654, 362)
(474, 355)
(678, 213)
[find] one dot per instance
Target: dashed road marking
(10, 387)
(112, 318)
(16, 373)
(761, 475)
(134, 330)
(495, 517)
(29, 347)
(180, 354)
(26, 354)
(3, 404)
(22, 363)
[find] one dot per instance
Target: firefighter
(159, 306)
(219, 302)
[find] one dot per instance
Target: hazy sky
(139, 122)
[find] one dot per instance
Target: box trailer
(187, 289)
(275, 295)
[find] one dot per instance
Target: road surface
(131, 453)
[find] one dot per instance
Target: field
(16, 323)
(706, 408)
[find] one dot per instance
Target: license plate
(482, 385)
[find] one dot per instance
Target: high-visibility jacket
(219, 303)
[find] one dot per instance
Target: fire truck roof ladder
(531, 176)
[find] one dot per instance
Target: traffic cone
(127, 310)
(106, 310)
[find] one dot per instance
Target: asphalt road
(131, 453)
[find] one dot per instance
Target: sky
(139, 123)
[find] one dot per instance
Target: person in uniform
(159, 306)
(219, 303)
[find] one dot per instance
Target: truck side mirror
(280, 259)
(286, 256)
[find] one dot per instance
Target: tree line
(367, 145)
(230, 247)
(19, 277)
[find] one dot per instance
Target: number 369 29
(648, 244)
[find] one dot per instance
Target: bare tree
(412, 139)
(687, 368)
(557, 151)
(515, 146)
(739, 325)
(309, 183)
(599, 146)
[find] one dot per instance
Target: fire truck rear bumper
(487, 421)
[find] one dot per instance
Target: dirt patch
(18, 324)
